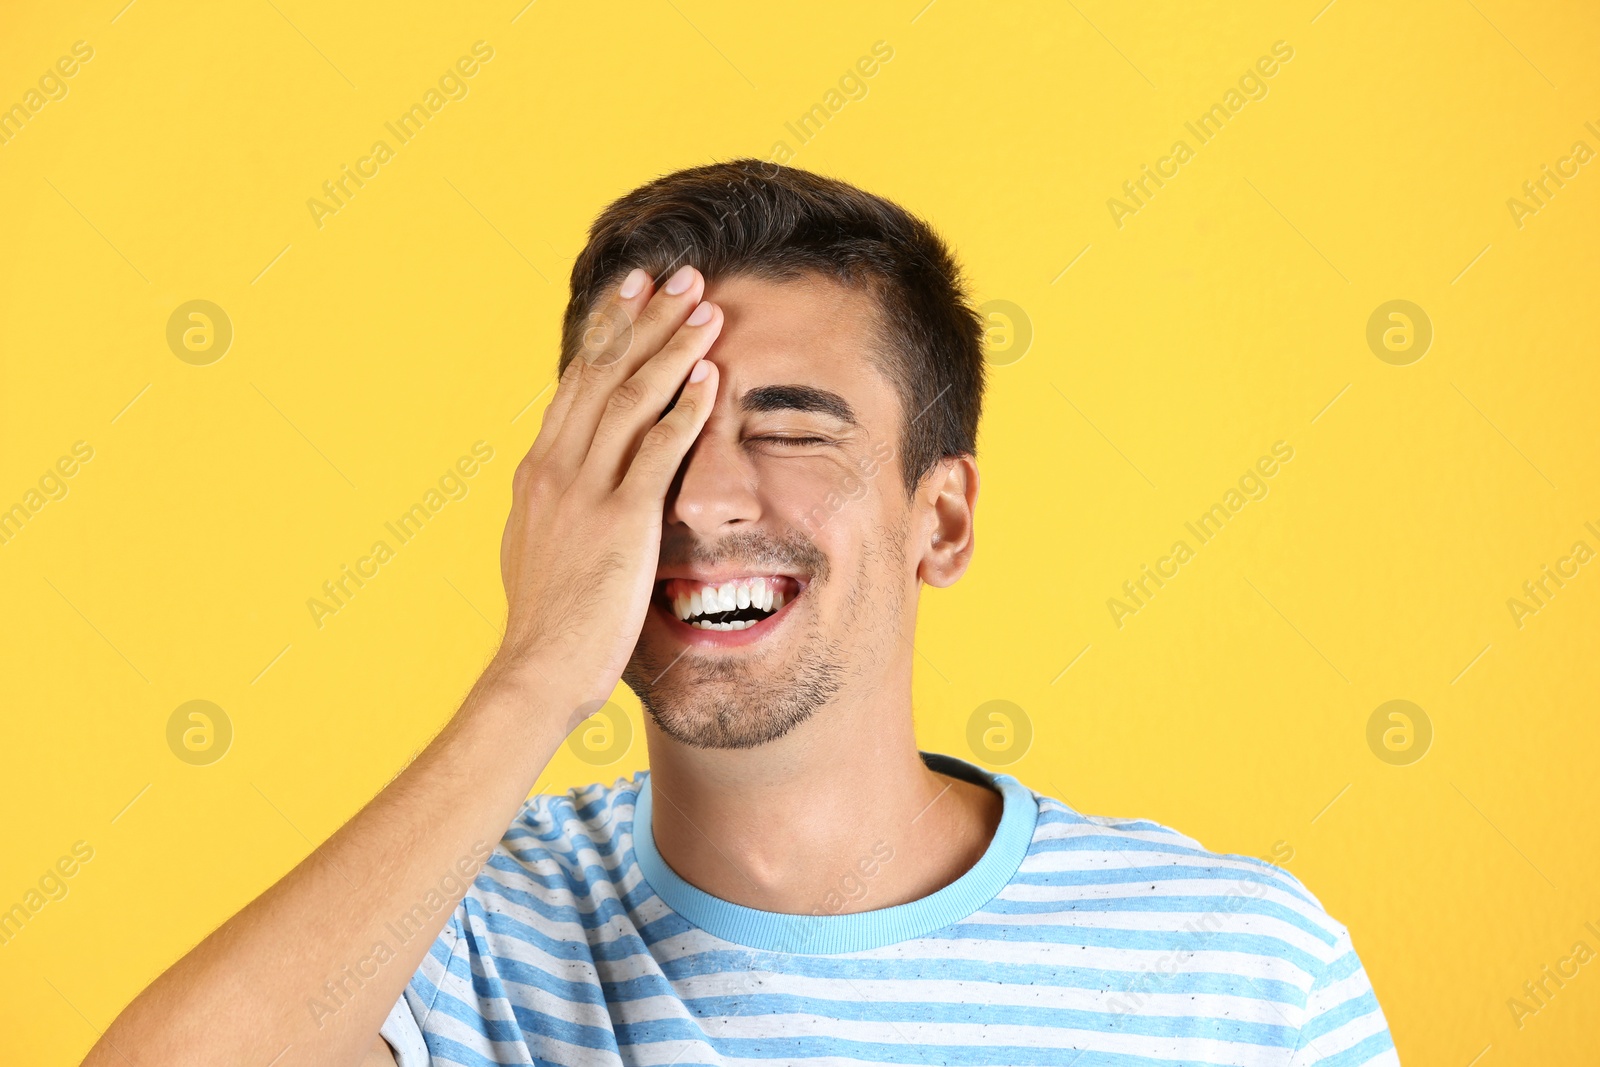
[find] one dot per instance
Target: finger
(638, 403)
(665, 444)
(556, 411)
(615, 364)
(640, 287)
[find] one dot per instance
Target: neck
(840, 815)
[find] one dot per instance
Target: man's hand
(580, 549)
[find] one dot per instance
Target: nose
(715, 488)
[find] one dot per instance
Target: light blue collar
(856, 931)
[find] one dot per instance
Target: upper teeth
(761, 593)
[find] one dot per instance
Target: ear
(946, 501)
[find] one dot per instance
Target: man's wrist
(542, 691)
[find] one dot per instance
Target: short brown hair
(749, 216)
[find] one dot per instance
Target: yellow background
(1229, 313)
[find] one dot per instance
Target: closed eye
(792, 441)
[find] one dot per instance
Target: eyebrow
(797, 398)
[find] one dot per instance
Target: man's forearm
(578, 560)
(250, 991)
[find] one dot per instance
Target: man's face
(786, 576)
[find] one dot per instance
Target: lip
(718, 575)
(685, 634)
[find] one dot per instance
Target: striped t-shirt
(1075, 940)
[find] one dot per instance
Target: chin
(702, 699)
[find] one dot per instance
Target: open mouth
(735, 604)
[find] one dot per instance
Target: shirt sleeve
(404, 1036)
(402, 1029)
(1344, 1025)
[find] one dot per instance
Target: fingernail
(632, 283)
(700, 315)
(701, 369)
(679, 282)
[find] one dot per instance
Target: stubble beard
(705, 700)
(726, 702)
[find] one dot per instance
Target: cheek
(848, 510)
(813, 495)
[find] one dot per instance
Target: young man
(761, 447)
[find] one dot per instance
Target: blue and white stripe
(1075, 940)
